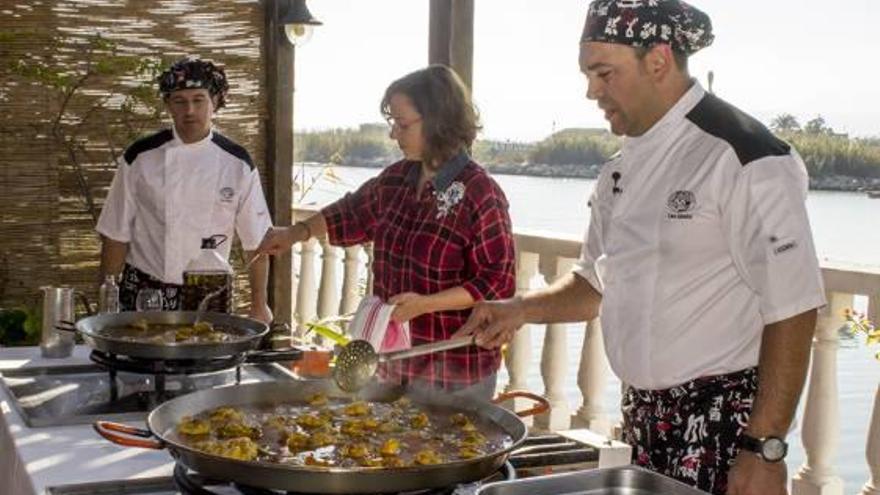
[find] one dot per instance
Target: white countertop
(33, 459)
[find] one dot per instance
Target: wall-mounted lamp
(298, 22)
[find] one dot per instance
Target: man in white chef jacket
(178, 186)
(698, 256)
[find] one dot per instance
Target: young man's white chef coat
(168, 195)
(698, 238)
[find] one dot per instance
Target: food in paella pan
(324, 433)
(243, 449)
(167, 333)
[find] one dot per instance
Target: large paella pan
(310, 437)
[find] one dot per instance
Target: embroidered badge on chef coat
(681, 204)
(226, 194)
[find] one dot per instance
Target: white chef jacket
(168, 195)
(698, 238)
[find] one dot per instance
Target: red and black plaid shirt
(429, 243)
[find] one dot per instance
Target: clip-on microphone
(616, 177)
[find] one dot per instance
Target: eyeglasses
(399, 126)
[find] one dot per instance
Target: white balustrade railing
(554, 356)
(592, 374)
(351, 293)
(821, 419)
(305, 309)
(519, 352)
(543, 258)
(872, 449)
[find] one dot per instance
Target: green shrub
(19, 327)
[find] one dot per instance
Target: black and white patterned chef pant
(690, 432)
(133, 280)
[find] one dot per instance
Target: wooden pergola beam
(279, 153)
(451, 36)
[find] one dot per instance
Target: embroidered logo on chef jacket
(681, 205)
(226, 194)
(782, 246)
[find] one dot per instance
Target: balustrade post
(328, 295)
(350, 292)
(518, 354)
(368, 248)
(295, 264)
(874, 308)
(872, 449)
(554, 356)
(305, 294)
(592, 377)
(821, 422)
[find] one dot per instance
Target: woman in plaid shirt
(439, 225)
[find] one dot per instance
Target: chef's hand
(750, 475)
(261, 312)
(276, 241)
(494, 322)
(408, 306)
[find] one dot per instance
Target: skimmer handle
(421, 350)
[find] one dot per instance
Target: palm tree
(817, 126)
(785, 122)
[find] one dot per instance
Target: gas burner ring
(192, 483)
(115, 362)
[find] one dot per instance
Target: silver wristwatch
(770, 449)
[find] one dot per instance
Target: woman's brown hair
(449, 119)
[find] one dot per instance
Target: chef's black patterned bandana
(644, 23)
(192, 73)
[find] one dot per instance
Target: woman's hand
(276, 241)
(408, 306)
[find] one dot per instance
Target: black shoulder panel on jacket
(232, 148)
(750, 139)
(148, 143)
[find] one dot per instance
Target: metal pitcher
(58, 306)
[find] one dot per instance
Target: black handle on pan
(66, 326)
(567, 457)
(273, 356)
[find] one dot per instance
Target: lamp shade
(298, 22)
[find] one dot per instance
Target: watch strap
(750, 443)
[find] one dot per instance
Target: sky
(804, 57)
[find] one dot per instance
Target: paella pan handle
(272, 356)
(542, 404)
(66, 326)
(121, 434)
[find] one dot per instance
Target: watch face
(774, 449)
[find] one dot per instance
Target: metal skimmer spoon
(357, 362)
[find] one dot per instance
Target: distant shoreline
(840, 183)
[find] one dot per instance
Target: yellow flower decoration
(859, 323)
